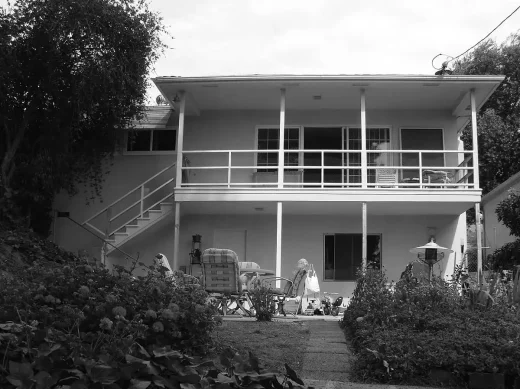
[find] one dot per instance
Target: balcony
(326, 170)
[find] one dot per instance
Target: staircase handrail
(128, 193)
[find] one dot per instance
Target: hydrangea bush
(401, 336)
(77, 317)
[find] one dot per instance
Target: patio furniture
(386, 178)
(221, 278)
(289, 289)
(436, 177)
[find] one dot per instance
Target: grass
(273, 343)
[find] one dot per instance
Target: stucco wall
(496, 233)
(302, 237)
(224, 130)
(235, 130)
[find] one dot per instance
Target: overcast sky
(237, 37)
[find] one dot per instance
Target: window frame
(422, 128)
(346, 138)
(380, 235)
(274, 168)
(150, 152)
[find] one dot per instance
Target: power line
(445, 64)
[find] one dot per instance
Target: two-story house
(365, 168)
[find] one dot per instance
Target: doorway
(322, 138)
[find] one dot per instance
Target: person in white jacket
(161, 260)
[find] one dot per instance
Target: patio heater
(430, 254)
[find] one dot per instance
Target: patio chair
(221, 279)
(437, 177)
(386, 178)
(289, 290)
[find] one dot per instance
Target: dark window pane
(329, 257)
(139, 140)
(262, 133)
(262, 144)
(273, 133)
(164, 140)
(343, 255)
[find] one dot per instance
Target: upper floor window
(269, 139)
(151, 141)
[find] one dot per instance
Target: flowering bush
(51, 312)
(404, 334)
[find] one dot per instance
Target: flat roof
(336, 92)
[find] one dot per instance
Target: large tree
(72, 74)
(499, 118)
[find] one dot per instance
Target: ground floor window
(343, 252)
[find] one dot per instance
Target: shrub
(97, 315)
(400, 336)
(263, 301)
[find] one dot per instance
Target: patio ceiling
(330, 92)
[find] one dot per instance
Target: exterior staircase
(138, 225)
(136, 211)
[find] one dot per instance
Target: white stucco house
(495, 232)
(366, 168)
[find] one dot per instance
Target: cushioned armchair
(221, 278)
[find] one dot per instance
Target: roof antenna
(444, 69)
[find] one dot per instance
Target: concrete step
(154, 214)
(143, 221)
(119, 237)
(166, 207)
(132, 229)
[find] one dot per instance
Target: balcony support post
(364, 238)
(176, 235)
(474, 137)
(478, 223)
(180, 141)
(278, 267)
(364, 172)
(281, 158)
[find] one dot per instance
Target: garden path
(328, 358)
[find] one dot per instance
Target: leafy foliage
(400, 335)
(73, 74)
(508, 212)
(499, 118)
(506, 257)
(263, 301)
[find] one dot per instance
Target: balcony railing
(388, 169)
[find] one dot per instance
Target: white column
(282, 139)
(364, 174)
(176, 235)
(479, 244)
(180, 141)
(278, 271)
(364, 238)
(476, 179)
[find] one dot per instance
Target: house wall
(302, 237)
(235, 130)
(222, 130)
(496, 233)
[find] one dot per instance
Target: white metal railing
(127, 209)
(335, 168)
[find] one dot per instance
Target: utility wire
(445, 64)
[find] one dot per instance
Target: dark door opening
(322, 138)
